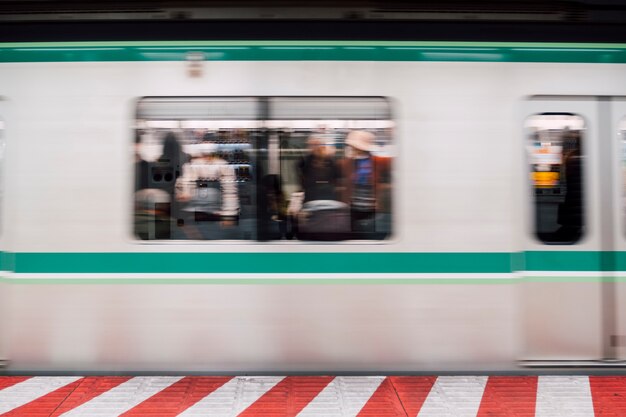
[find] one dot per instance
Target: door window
(556, 159)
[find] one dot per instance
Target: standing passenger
(208, 189)
(318, 171)
(142, 167)
(167, 169)
(366, 182)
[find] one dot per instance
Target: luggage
(319, 217)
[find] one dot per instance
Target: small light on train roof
(194, 64)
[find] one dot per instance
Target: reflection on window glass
(556, 157)
(263, 168)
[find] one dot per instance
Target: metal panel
(562, 315)
(617, 141)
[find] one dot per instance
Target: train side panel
(456, 185)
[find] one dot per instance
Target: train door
(3, 239)
(573, 217)
(617, 282)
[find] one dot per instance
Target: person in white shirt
(207, 187)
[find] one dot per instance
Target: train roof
(445, 20)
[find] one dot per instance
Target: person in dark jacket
(318, 171)
(142, 167)
(167, 169)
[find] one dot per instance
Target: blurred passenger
(272, 208)
(167, 169)
(142, 167)
(318, 171)
(319, 215)
(152, 217)
(570, 213)
(168, 166)
(208, 190)
(366, 183)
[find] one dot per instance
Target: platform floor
(323, 396)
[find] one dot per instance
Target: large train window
(263, 168)
(555, 154)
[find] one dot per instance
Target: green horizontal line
(313, 50)
(567, 261)
(232, 263)
(318, 263)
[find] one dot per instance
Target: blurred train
(494, 173)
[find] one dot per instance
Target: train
(493, 239)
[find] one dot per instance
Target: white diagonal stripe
(454, 396)
(233, 397)
(123, 397)
(343, 397)
(31, 389)
(559, 396)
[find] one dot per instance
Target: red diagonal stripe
(288, 397)
(89, 388)
(8, 381)
(384, 402)
(44, 405)
(509, 396)
(609, 395)
(412, 391)
(178, 397)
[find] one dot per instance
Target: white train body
(460, 190)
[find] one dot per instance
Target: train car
(156, 216)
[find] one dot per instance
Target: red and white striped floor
(324, 396)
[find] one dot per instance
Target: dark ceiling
(417, 10)
(502, 20)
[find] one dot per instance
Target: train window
(263, 168)
(555, 155)
(194, 168)
(335, 166)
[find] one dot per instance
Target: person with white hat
(365, 181)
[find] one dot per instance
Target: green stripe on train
(336, 262)
(261, 262)
(314, 51)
